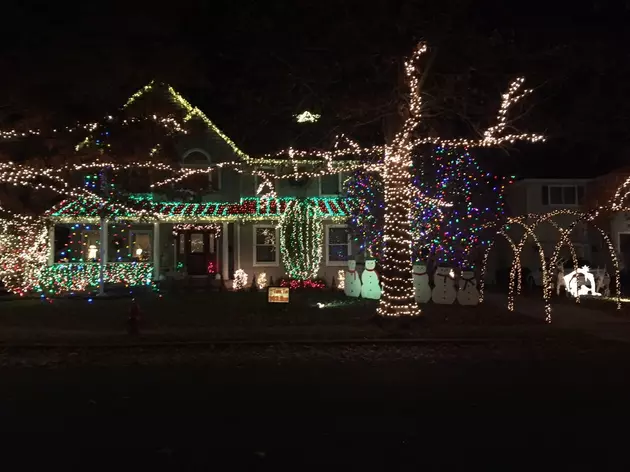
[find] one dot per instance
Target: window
(331, 185)
(196, 243)
(91, 245)
(337, 245)
(141, 246)
(562, 194)
(197, 158)
(265, 246)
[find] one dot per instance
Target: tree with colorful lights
(366, 220)
(394, 162)
(451, 235)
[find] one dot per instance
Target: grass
(247, 315)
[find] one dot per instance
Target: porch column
(237, 226)
(225, 268)
(103, 246)
(156, 251)
(51, 248)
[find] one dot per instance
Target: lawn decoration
(421, 282)
(467, 293)
(261, 280)
(444, 292)
(560, 278)
(240, 280)
(352, 287)
(602, 281)
(576, 282)
(341, 279)
(370, 286)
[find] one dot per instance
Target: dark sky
(251, 65)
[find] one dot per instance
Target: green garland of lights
(78, 277)
(301, 244)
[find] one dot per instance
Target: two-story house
(227, 227)
(539, 196)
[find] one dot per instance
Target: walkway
(574, 317)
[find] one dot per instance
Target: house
(530, 197)
(226, 226)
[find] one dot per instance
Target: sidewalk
(573, 317)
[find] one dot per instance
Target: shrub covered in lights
(78, 277)
(301, 231)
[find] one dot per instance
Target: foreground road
(351, 409)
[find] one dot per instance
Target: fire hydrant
(133, 322)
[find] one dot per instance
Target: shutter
(545, 195)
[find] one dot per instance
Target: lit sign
(278, 295)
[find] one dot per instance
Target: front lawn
(247, 315)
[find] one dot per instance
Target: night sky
(251, 65)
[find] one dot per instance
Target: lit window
(196, 243)
(337, 245)
(141, 246)
(265, 246)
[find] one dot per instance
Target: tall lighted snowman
(468, 293)
(352, 282)
(421, 286)
(370, 285)
(444, 292)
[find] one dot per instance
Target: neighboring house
(538, 196)
(227, 228)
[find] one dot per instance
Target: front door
(199, 249)
(197, 254)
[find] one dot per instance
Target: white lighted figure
(261, 280)
(575, 286)
(602, 281)
(467, 293)
(92, 251)
(421, 286)
(370, 285)
(560, 279)
(341, 279)
(444, 292)
(352, 282)
(240, 280)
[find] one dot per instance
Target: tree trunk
(397, 298)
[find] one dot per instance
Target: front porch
(157, 241)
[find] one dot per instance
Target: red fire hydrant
(133, 322)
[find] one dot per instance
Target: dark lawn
(247, 315)
(544, 405)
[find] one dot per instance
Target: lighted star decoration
(307, 117)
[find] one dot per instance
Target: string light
(307, 117)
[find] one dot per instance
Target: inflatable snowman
(370, 285)
(352, 283)
(421, 283)
(468, 293)
(444, 292)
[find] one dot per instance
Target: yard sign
(278, 295)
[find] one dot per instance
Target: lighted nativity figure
(575, 282)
